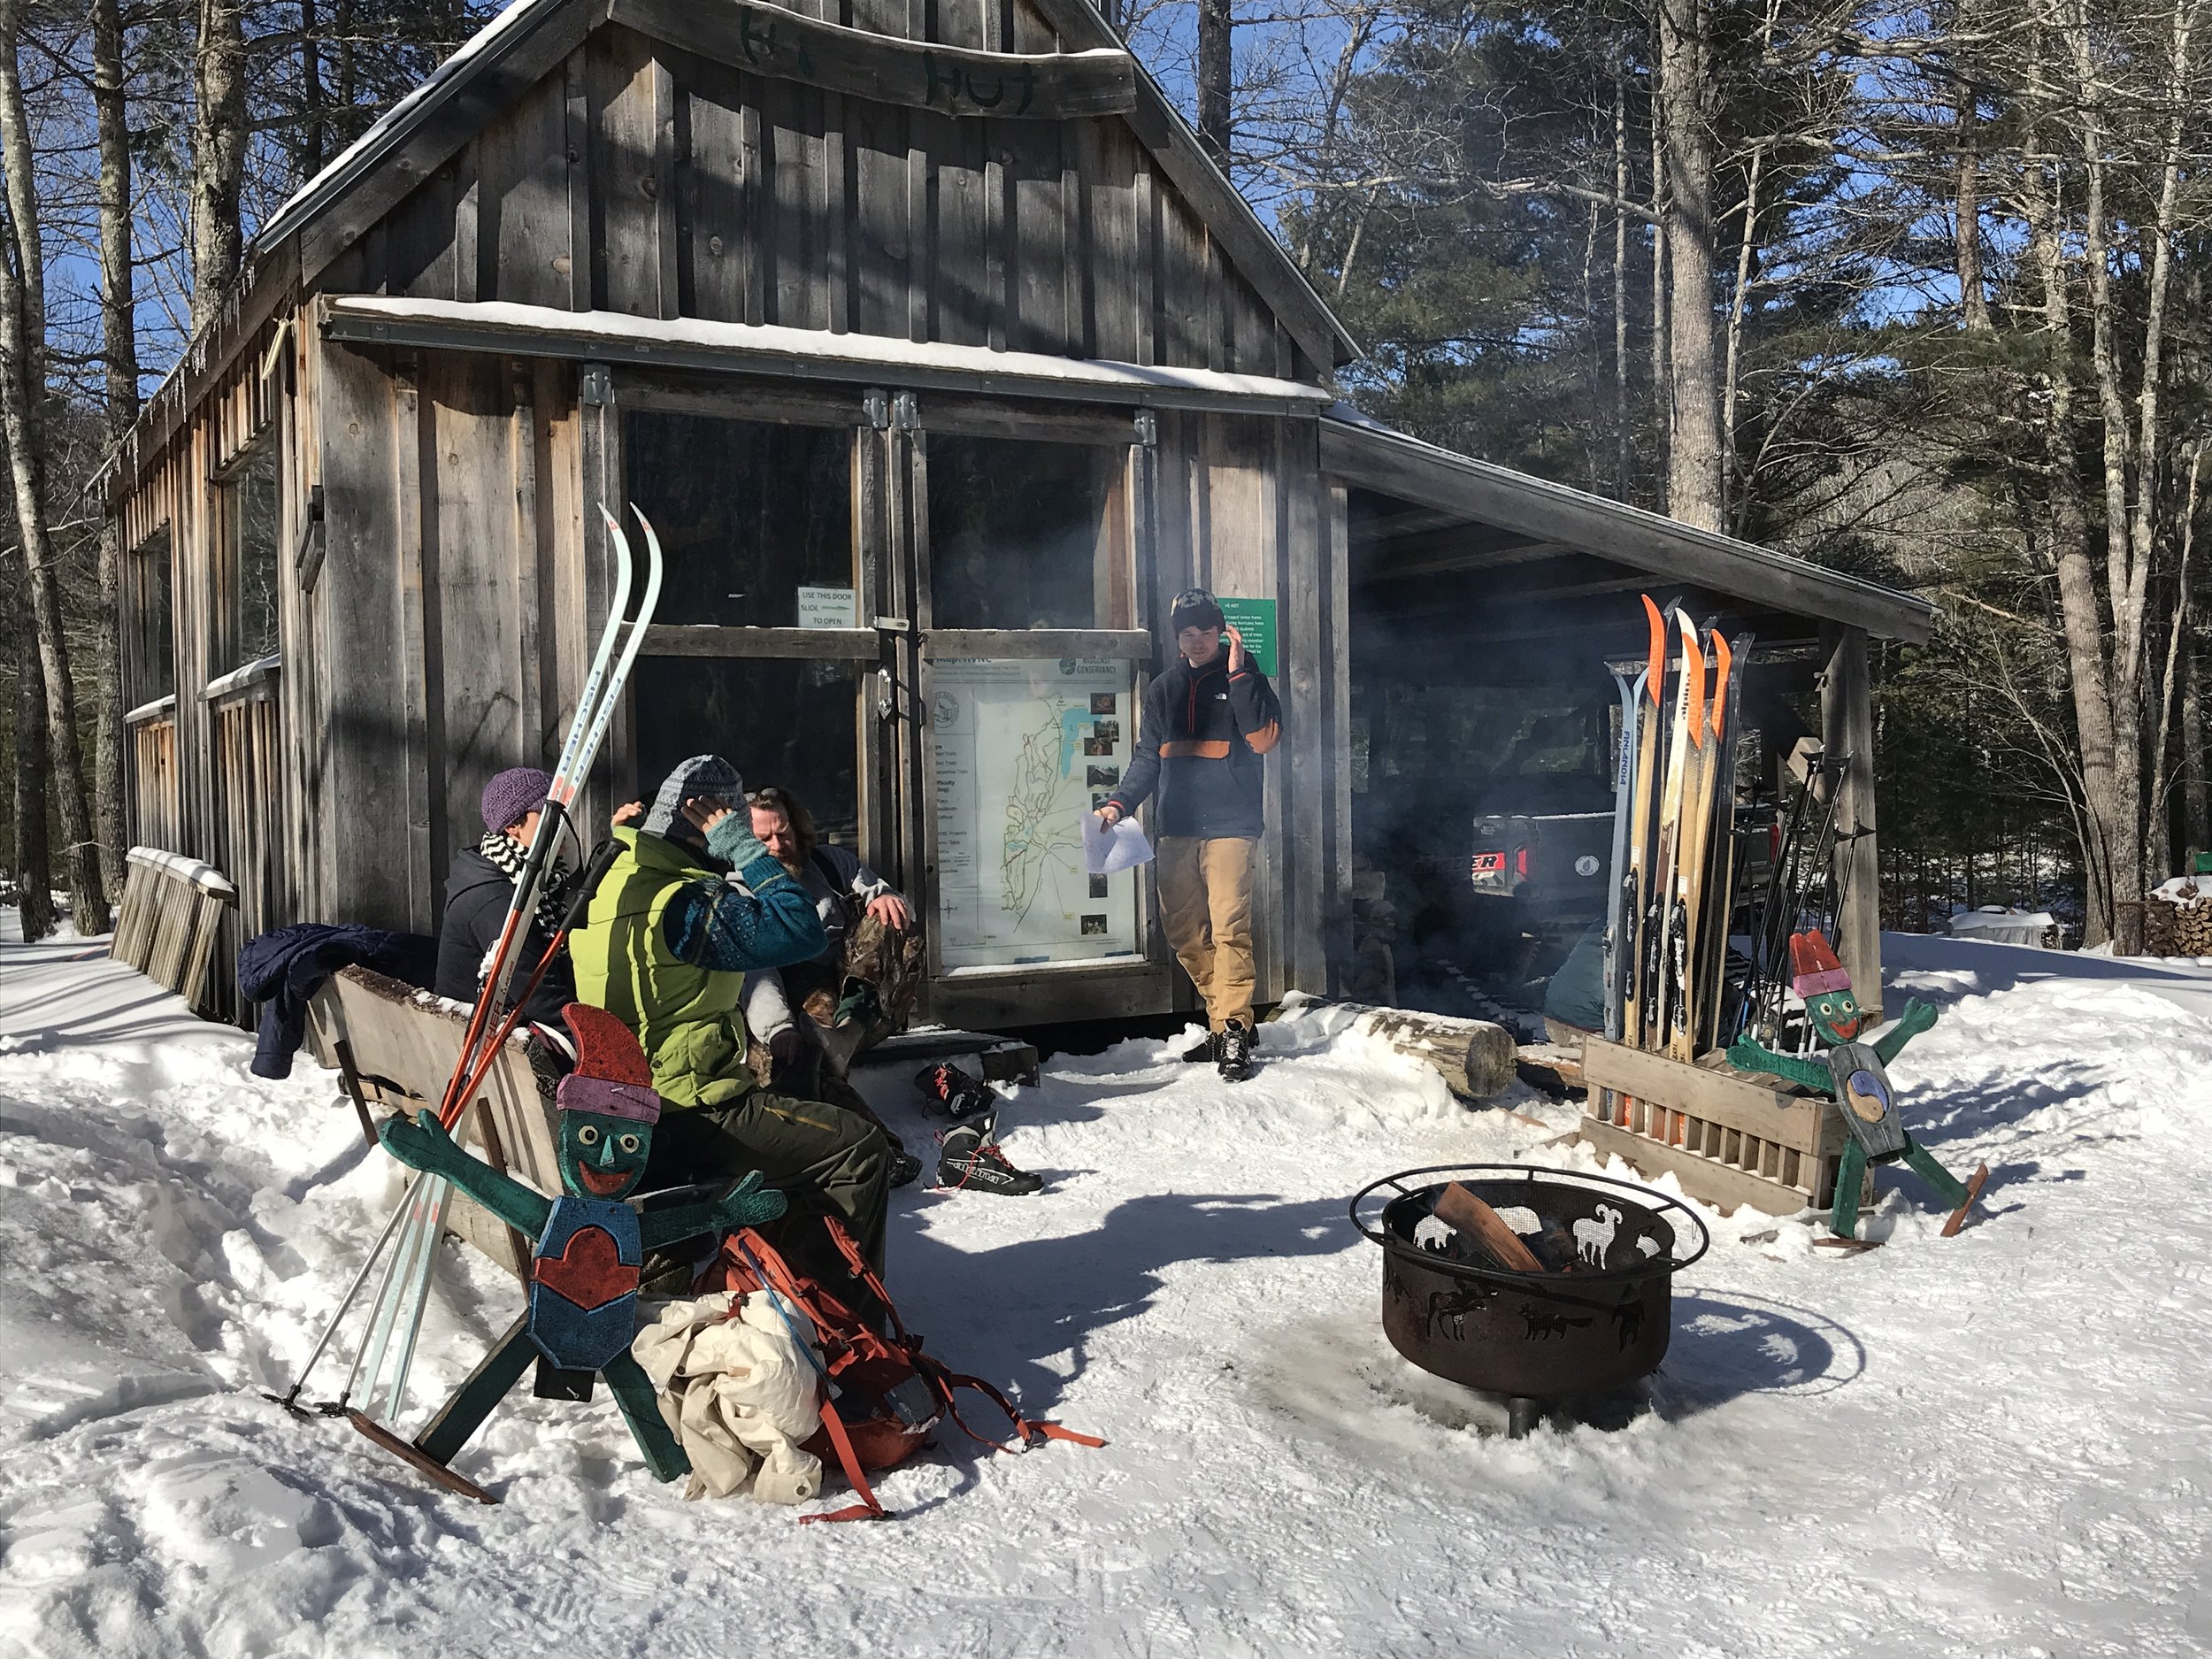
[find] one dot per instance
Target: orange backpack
(881, 1395)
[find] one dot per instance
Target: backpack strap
(868, 1508)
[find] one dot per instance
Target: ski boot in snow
(1233, 1050)
(973, 1162)
(946, 1088)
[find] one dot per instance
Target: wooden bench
(172, 909)
(1729, 1137)
(396, 1046)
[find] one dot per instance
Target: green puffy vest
(686, 1017)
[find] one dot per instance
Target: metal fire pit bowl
(1532, 1337)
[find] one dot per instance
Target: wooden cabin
(940, 356)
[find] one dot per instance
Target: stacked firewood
(2177, 923)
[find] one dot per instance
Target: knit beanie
(702, 775)
(1193, 608)
(514, 795)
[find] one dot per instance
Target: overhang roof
(1370, 455)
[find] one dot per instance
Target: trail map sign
(1024, 750)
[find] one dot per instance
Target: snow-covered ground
(1990, 1445)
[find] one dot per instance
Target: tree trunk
(120, 351)
(1694, 455)
(32, 866)
(1622, 466)
(1215, 24)
(22, 425)
(1661, 365)
(1731, 479)
(1966, 192)
(2160, 854)
(2196, 801)
(220, 135)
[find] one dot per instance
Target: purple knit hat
(577, 1092)
(514, 795)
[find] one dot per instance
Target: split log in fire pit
(1595, 1312)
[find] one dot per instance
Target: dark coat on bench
(281, 969)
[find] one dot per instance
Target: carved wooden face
(603, 1156)
(1835, 1015)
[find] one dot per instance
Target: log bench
(393, 1046)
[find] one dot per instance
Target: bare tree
(23, 401)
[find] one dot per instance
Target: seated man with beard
(814, 1018)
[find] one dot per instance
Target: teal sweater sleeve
(715, 926)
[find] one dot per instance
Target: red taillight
(1520, 863)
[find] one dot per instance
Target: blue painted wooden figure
(591, 1244)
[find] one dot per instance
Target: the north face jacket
(1199, 742)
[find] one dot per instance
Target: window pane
(155, 642)
(748, 513)
(253, 530)
(1024, 534)
(790, 723)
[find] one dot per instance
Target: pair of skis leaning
(382, 1363)
(1673, 838)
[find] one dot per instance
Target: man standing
(1206, 723)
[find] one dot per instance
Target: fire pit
(1592, 1315)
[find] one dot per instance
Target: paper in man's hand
(1110, 847)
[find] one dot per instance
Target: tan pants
(1206, 907)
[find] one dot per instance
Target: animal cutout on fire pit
(1853, 1074)
(590, 1244)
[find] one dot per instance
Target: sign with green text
(1254, 620)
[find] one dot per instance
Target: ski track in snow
(1991, 1445)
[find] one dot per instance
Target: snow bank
(1987, 1444)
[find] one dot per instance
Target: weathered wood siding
(642, 178)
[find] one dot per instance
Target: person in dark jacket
(480, 890)
(1205, 725)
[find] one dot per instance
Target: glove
(747, 1204)
(733, 842)
(794, 1064)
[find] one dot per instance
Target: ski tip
(1724, 660)
(1656, 671)
(1693, 680)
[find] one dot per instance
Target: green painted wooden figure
(591, 1244)
(1853, 1073)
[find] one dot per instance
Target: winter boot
(1235, 1046)
(973, 1162)
(1206, 1049)
(946, 1088)
(905, 1167)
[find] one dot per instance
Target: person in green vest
(665, 946)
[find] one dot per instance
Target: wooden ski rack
(1729, 1137)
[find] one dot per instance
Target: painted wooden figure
(591, 1244)
(1854, 1074)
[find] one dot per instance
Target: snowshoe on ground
(1235, 1044)
(973, 1163)
(949, 1090)
(1206, 1051)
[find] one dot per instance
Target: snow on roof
(505, 325)
(481, 50)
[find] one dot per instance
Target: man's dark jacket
(478, 895)
(1199, 742)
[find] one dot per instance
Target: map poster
(1255, 619)
(1022, 750)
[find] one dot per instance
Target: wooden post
(1847, 717)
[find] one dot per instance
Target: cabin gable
(660, 181)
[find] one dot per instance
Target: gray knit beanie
(708, 775)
